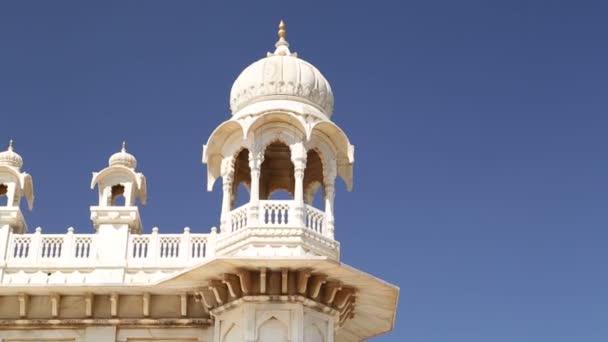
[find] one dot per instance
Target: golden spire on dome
(282, 30)
(10, 145)
(282, 45)
(124, 146)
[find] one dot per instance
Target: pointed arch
(277, 170)
(242, 173)
(314, 174)
(273, 330)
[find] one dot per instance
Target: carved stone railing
(79, 251)
(50, 250)
(238, 218)
(277, 231)
(167, 250)
(277, 213)
(280, 228)
(315, 219)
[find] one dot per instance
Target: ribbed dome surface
(123, 158)
(11, 158)
(282, 76)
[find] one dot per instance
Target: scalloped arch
(275, 117)
(276, 131)
(212, 151)
(325, 151)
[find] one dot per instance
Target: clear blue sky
(480, 130)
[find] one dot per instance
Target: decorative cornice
(28, 324)
(117, 215)
(288, 236)
(313, 290)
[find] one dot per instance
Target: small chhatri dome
(10, 158)
(282, 76)
(123, 158)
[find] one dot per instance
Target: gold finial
(282, 30)
(282, 45)
(10, 145)
(124, 146)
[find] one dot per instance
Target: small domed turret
(120, 180)
(123, 158)
(14, 185)
(119, 186)
(10, 158)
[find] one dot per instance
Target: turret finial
(10, 145)
(282, 30)
(124, 146)
(282, 45)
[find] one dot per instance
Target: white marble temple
(270, 272)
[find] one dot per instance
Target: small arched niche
(313, 177)
(242, 179)
(277, 171)
(3, 195)
(273, 331)
(117, 195)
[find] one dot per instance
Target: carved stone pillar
(255, 163)
(298, 158)
(329, 180)
(227, 178)
(330, 193)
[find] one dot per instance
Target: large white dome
(282, 76)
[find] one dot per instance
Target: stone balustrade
(279, 213)
(71, 250)
(128, 256)
(278, 228)
(161, 250)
